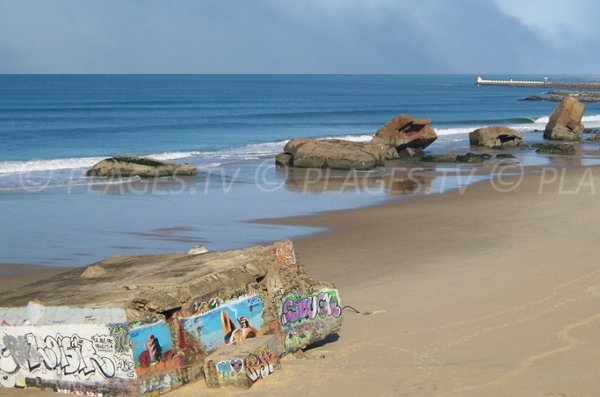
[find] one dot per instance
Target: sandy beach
(472, 293)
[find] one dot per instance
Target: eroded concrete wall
(228, 326)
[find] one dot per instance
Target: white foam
(248, 152)
(10, 167)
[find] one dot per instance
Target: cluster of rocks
(559, 96)
(405, 136)
(401, 136)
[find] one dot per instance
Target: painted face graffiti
(296, 309)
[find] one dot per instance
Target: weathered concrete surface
(147, 286)
(145, 325)
(243, 365)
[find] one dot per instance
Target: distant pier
(540, 83)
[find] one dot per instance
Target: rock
(594, 138)
(555, 148)
(197, 250)
(94, 272)
(472, 158)
(505, 156)
(496, 137)
(334, 153)
(565, 122)
(410, 153)
(461, 158)
(124, 166)
(439, 158)
(293, 145)
(406, 132)
(283, 160)
(591, 131)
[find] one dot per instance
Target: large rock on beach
(405, 132)
(496, 137)
(332, 153)
(124, 166)
(402, 136)
(565, 122)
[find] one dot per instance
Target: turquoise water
(53, 127)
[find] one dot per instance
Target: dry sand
(474, 294)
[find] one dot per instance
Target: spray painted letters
(83, 353)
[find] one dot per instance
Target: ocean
(54, 127)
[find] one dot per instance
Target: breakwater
(539, 83)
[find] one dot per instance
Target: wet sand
(473, 293)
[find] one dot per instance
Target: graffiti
(231, 323)
(56, 353)
(296, 308)
(159, 384)
(153, 348)
(261, 364)
(284, 253)
(200, 306)
(230, 371)
(120, 334)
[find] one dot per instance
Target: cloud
(289, 36)
(564, 23)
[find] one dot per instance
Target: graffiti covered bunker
(146, 325)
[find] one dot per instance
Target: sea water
(54, 127)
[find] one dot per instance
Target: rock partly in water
(496, 137)
(472, 158)
(124, 166)
(405, 131)
(439, 158)
(594, 138)
(505, 156)
(565, 122)
(402, 136)
(333, 153)
(283, 160)
(555, 148)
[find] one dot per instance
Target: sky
(299, 36)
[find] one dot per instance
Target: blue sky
(299, 36)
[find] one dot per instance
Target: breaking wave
(211, 159)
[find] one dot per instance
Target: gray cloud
(285, 36)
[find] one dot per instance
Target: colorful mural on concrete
(303, 317)
(67, 356)
(231, 323)
(261, 364)
(153, 348)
